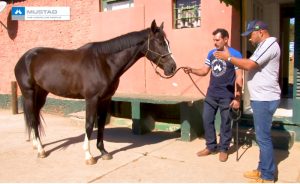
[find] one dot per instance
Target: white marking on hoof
(86, 148)
(91, 161)
(42, 154)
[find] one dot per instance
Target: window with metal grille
(187, 13)
(109, 5)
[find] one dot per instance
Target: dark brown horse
(91, 72)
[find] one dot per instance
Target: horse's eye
(162, 43)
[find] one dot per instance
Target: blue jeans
(210, 108)
(262, 115)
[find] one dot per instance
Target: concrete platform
(155, 157)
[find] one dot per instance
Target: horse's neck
(133, 55)
(123, 51)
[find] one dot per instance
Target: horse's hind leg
(32, 123)
(40, 96)
(34, 99)
(102, 111)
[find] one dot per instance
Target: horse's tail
(33, 121)
(30, 92)
(29, 125)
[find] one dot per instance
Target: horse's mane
(119, 43)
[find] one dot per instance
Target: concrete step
(282, 139)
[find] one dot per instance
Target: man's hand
(224, 55)
(187, 70)
(235, 104)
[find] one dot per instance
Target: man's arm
(243, 63)
(200, 72)
(235, 104)
(238, 84)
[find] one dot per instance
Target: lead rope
(170, 76)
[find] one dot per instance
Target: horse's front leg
(91, 106)
(102, 111)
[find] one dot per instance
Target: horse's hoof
(91, 161)
(106, 156)
(42, 154)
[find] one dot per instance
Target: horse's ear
(153, 26)
(161, 27)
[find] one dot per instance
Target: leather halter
(156, 53)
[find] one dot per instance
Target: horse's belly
(63, 89)
(68, 95)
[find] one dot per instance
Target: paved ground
(154, 157)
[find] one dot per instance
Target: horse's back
(45, 57)
(61, 72)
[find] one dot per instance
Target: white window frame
(111, 5)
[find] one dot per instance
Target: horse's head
(158, 49)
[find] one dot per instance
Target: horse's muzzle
(170, 68)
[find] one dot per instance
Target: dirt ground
(155, 157)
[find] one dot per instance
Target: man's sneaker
(254, 174)
(205, 152)
(260, 180)
(223, 156)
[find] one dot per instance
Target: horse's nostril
(173, 68)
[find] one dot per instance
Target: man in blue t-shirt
(224, 92)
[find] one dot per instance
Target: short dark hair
(224, 32)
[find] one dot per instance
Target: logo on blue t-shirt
(218, 67)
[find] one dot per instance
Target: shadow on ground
(117, 135)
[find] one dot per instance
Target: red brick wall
(189, 46)
(29, 34)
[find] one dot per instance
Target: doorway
(286, 79)
(280, 16)
(287, 27)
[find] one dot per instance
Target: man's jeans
(210, 109)
(262, 115)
